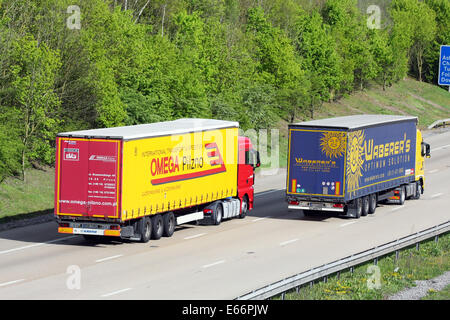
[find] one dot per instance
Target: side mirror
(258, 162)
(427, 150)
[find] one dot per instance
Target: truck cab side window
(252, 158)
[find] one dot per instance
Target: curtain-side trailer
(140, 182)
(349, 164)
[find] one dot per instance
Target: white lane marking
(36, 245)
(263, 218)
(433, 171)
(348, 223)
(194, 236)
(266, 192)
(115, 292)
(436, 195)
(288, 242)
(397, 208)
(109, 258)
(440, 148)
(213, 264)
(10, 282)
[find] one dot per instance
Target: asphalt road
(213, 262)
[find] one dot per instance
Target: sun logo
(333, 144)
(355, 159)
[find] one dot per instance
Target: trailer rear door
(87, 177)
(316, 162)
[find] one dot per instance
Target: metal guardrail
(297, 280)
(437, 123)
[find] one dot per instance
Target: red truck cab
(248, 161)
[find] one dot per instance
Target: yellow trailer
(141, 181)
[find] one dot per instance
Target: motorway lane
(214, 262)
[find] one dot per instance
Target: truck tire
(244, 207)
(218, 214)
(145, 229)
(418, 190)
(169, 224)
(157, 226)
(402, 195)
(372, 203)
(365, 206)
(358, 209)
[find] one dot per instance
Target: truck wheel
(218, 214)
(418, 190)
(157, 227)
(402, 195)
(244, 208)
(365, 206)
(169, 224)
(145, 229)
(358, 209)
(372, 203)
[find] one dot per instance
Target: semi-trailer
(349, 164)
(139, 182)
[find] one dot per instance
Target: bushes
(250, 61)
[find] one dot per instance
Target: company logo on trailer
(165, 165)
(102, 158)
(71, 154)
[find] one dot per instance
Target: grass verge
(431, 260)
(444, 294)
(19, 199)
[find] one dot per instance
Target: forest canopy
(78, 64)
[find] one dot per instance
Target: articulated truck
(140, 182)
(349, 164)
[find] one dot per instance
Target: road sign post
(444, 67)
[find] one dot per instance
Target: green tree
(317, 48)
(418, 22)
(441, 9)
(32, 78)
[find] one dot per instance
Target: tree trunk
(162, 20)
(419, 64)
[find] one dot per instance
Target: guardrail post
(338, 275)
(375, 261)
(351, 270)
(396, 255)
(436, 238)
(283, 295)
(417, 246)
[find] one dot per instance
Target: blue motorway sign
(444, 66)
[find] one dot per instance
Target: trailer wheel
(157, 227)
(145, 229)
(169, 224)
(358, 209)
(218, 214)
(244, 207)
(372, 203)
(402, 195)
(365, 206)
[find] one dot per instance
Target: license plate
(88, 231)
